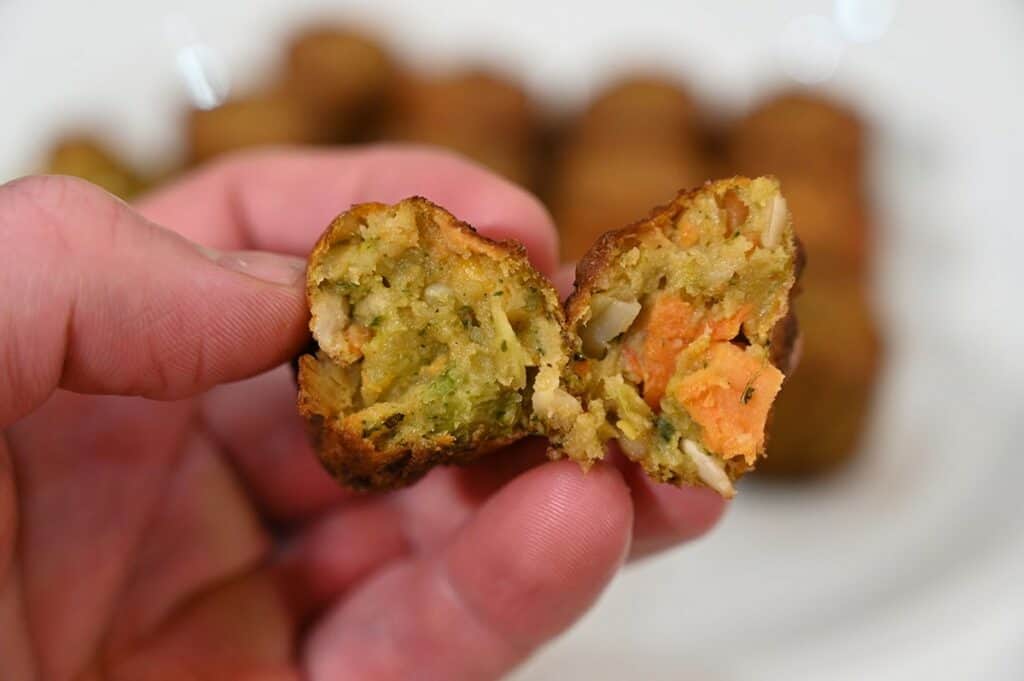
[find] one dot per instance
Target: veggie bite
(343, 76)
(643, 109)
(437, 344)
(430, 340)
(265, 119)
(635, 144)
(820, 418)
(685, 333)
(482, 115)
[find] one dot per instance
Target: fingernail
(276, 269)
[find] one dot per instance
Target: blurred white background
(906, 565)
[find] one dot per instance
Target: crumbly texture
(682, 319)
(431, 338)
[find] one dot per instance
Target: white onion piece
(709, 470)
(776, 222)
(612, 319)
(556, 405)
(330, 319)
(550, 402)
(437, 291)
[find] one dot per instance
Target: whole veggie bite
(431, 338)
(685, 333)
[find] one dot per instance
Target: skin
(161, 512)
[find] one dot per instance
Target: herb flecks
(387, 425)
(748, 392)
(467, 317)
(665, 429)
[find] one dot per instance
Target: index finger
(282, 199)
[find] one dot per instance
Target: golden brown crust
(612, 244)
(600, 188)
(358, 458)
(361, 463)
(466, 234)
(786, 334)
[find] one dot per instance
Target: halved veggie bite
(685, 332)
(436, 345)
(430, 338)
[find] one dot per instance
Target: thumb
(96, 299)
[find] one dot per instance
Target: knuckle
(49, 190)
(56, 211)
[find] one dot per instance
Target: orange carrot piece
(671, 327)
(730, 399)
(729, 327)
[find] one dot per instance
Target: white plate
(904, 567)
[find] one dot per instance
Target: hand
(161, 513)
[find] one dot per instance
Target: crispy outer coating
(599, 189)
(350, 447)
(601, 257)
(90, 160)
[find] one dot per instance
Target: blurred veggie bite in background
(344, 76)
(269, 118)
(816, 146)
(635, 144)
(87, 158)
(486, 116)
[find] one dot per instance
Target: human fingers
(281, 200)
(97, 299)
(525, 567)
